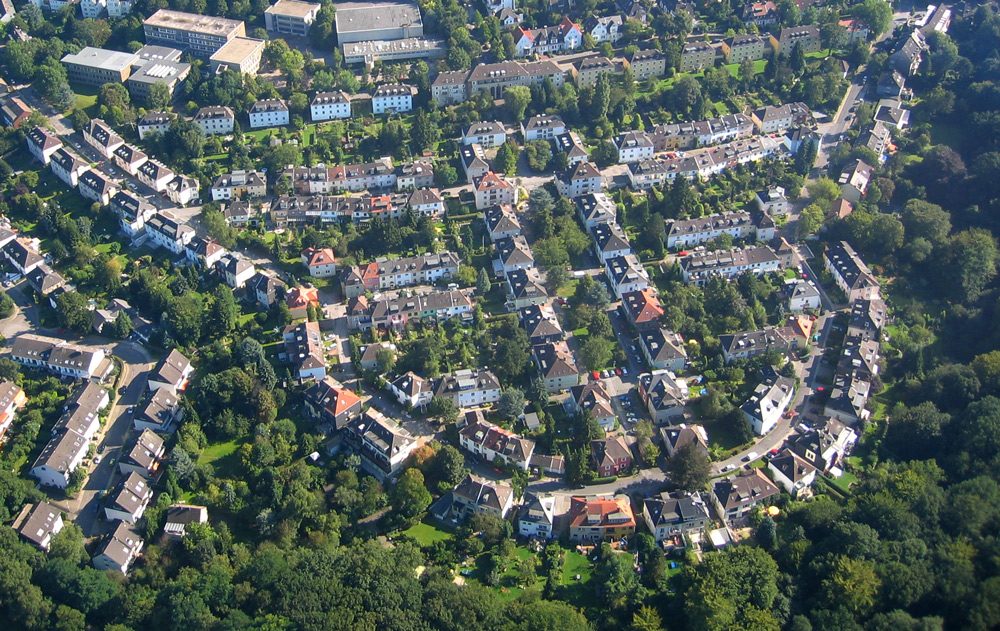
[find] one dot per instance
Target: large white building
(330, 105)
(768, 402)
(392, 98)
(290, 17)
(215, 120)
(269, 113)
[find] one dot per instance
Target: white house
(60, 457)
(129, 500)
(96, 187)
(38, 523)
(768, 402)
(536, 517)
(169, 234)
(411, 389)
(392, 98)
(129, 158)
(542, 128)
(469, 387)
(487, 134)
(793, 473)
(235, 270)
(633, 146)
(604, 29)
(67, 166)
(182, 189)
(155, 175)
(42, 144)
(172, 373)
(320, 262)
(118, 550)
(100, 136)
(58, 356)
(133, 211)
(158, 122)
(496, 443)
(802, 295)
(269, 113)
(580, 179)
(215, 120)
(329, 106)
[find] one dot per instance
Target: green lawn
(575, 564)
(426, 533)
(567, 290)
(223, 456)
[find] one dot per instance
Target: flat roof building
(170, 73)
(97, 66)
(201, 35)
(240, 54)
(290, 17)
(374, 21)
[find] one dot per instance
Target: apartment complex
(200, 35)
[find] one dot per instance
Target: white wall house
(269, 113)
(329, 106)
(392, 98)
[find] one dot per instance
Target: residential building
(513, 254)
(14, 111)
(633, 146)
(155, 175)
(239, 54)
(772, 201)
(586, 71)
(320, 262)
(806, 37)
(698, 267)
(449, 87)
(265, 290)
(735, 497)
(129, 159)
(98, 8)
(747, 344)
(825, 447)
(772, 119)
(370, 352)
(495, 78)
(868, 316)
(22, 253)
(299, 298)
(891, 112)
(96, 187)
(793, 473)
(547, 39)
(44, 280)
(97, 66)
(849, 272)
(179, 516)
(215, 120)
(171, 74)
(369, 52)
(241, 214)
(768, 403)
(414, 175)
(469, 387)
(486, 134)
(67, 166)
(597, 520)
(128, 501)
(160, 412)
(183, 189)
(663, 349)
(626, 274)
(523, 288)
(143, 455)
(478, 495)
(133, 212)
(610, 456)
(168, 234)
(60, 457)
(854, 180)
(594, 209)
(158, 122)
(82, 411)
(239, 184)
(696, 56)
(663, 394)
(118, 550)
(545, 127)
(474, 161)
(857, 31)
(908, 55)
(572, 145)
(647, 63)
(172, 373)
(501, 222)
(678, 436)
(38, 523)
(12, 398)
(411, 390)
(496, 444)
(728, 128)
(199, 35)
(593, 397)
(802, 295)
(392, 98)
(290, 17)
(331, 404)
(536, 519)
(643, 309)
(673, 515)
(742, 47)
(384, 446)
(385, 274)
(235, 270)
(891, 84)
(42, 144)
(556, 366)
(304, 350)
(604, 29)
(760, 13)
(540, 323)
(686, 233)
(492, 189)
(330, 106)
(59, 356)
(269, 113)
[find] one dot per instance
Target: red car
(618, 371)
(595, 375)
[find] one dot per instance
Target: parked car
(750, 457)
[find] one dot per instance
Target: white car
(97, 459)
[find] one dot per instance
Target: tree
(158, 97)
(385, 360)
(409, 496)
(511, 404)
(6, 305)
(224, 313)
(449, 464)
(122, 326)
(853, 585)
(483, 284)
(444, 409)
(516, 99)
(646, 618)
(971, 255)
(922, 219)
(823, 191)
(689, 467)
(73, 312)
(596, 352)
(614, 578)
(539, 154)
(506, 160)
(810, 220)
(876, 14)
(423, 133)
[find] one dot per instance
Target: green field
(223, 456)
(426, 533)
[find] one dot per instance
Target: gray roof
(112, 60)
(37, 521)
(355, 17)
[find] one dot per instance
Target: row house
(128, 500)
(62, 455)
(686, 233)
(12, 399)
(97, 187)
(384, 274)
(120, 548)
(849, 272)
(469, 387)
(548, 39)
(38, 523)
(701, 133)
(436, 306)
(494, 443)
(330, 106)
(171, 373)
(414, 175)
(580, 179)
(493, 79)
(269, 113)
(59, 357)
(129, 159)
(101, 137)
(82, 409)
(67, 166)
(698, 267)
(239, 184)
(42, 144)
(772, 119)
(168, 233)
